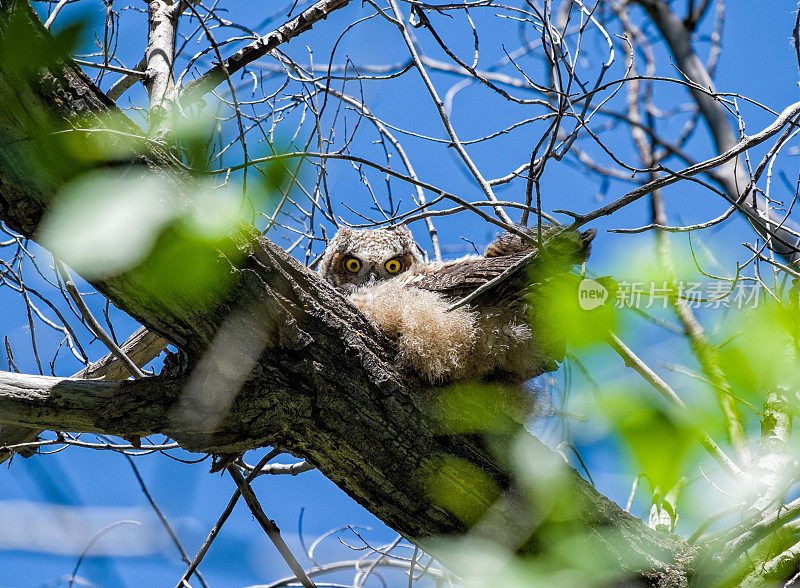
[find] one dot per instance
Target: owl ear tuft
(402, 230)
(343, 235)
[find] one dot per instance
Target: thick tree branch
(141, 348)
(72, 404)
(160, 58)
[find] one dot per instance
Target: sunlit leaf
(658, 437)
(759, 350)
(569, 308)
(476, 408)
(25, 58)
(102, 139)
(193, 135)
(184, 267)
(104, 223)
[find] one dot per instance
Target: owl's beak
(372, 276)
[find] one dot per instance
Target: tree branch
(784, 118)
(194, 90)
(269, 526)
(141, 347)
(46, 402)
(735, 180)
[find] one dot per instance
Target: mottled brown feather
(456, 279)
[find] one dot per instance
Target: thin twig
(641, 368)
(95, 327)
(269, 526)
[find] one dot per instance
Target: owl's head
(355, 257)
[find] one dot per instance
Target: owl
(357, 258)
(488, 337)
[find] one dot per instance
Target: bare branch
(484, 185)
(785, 117)
(633, 361)
(269, 526)
(98, 331)
(677, 36)
(141, 347)
(195, 90)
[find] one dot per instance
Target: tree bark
(286, 361)
(141, 348)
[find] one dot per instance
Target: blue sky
(758, 61)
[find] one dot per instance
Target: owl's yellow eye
(352, 264)
(393, 266)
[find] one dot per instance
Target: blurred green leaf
(32, 144)
(112, 221)
(568, 308)
(104, 223)
(102, 139)
(186, 268)
(276, 173)
(192, 134)
(24, 47)
(759, 350)
(659, 438)
(571, 557)
(213, 213)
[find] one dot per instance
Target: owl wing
(507, 298)
(459, 278)
(519, 270)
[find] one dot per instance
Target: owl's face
(355, 257)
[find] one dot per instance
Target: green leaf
(104, 223)
(658, 437)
